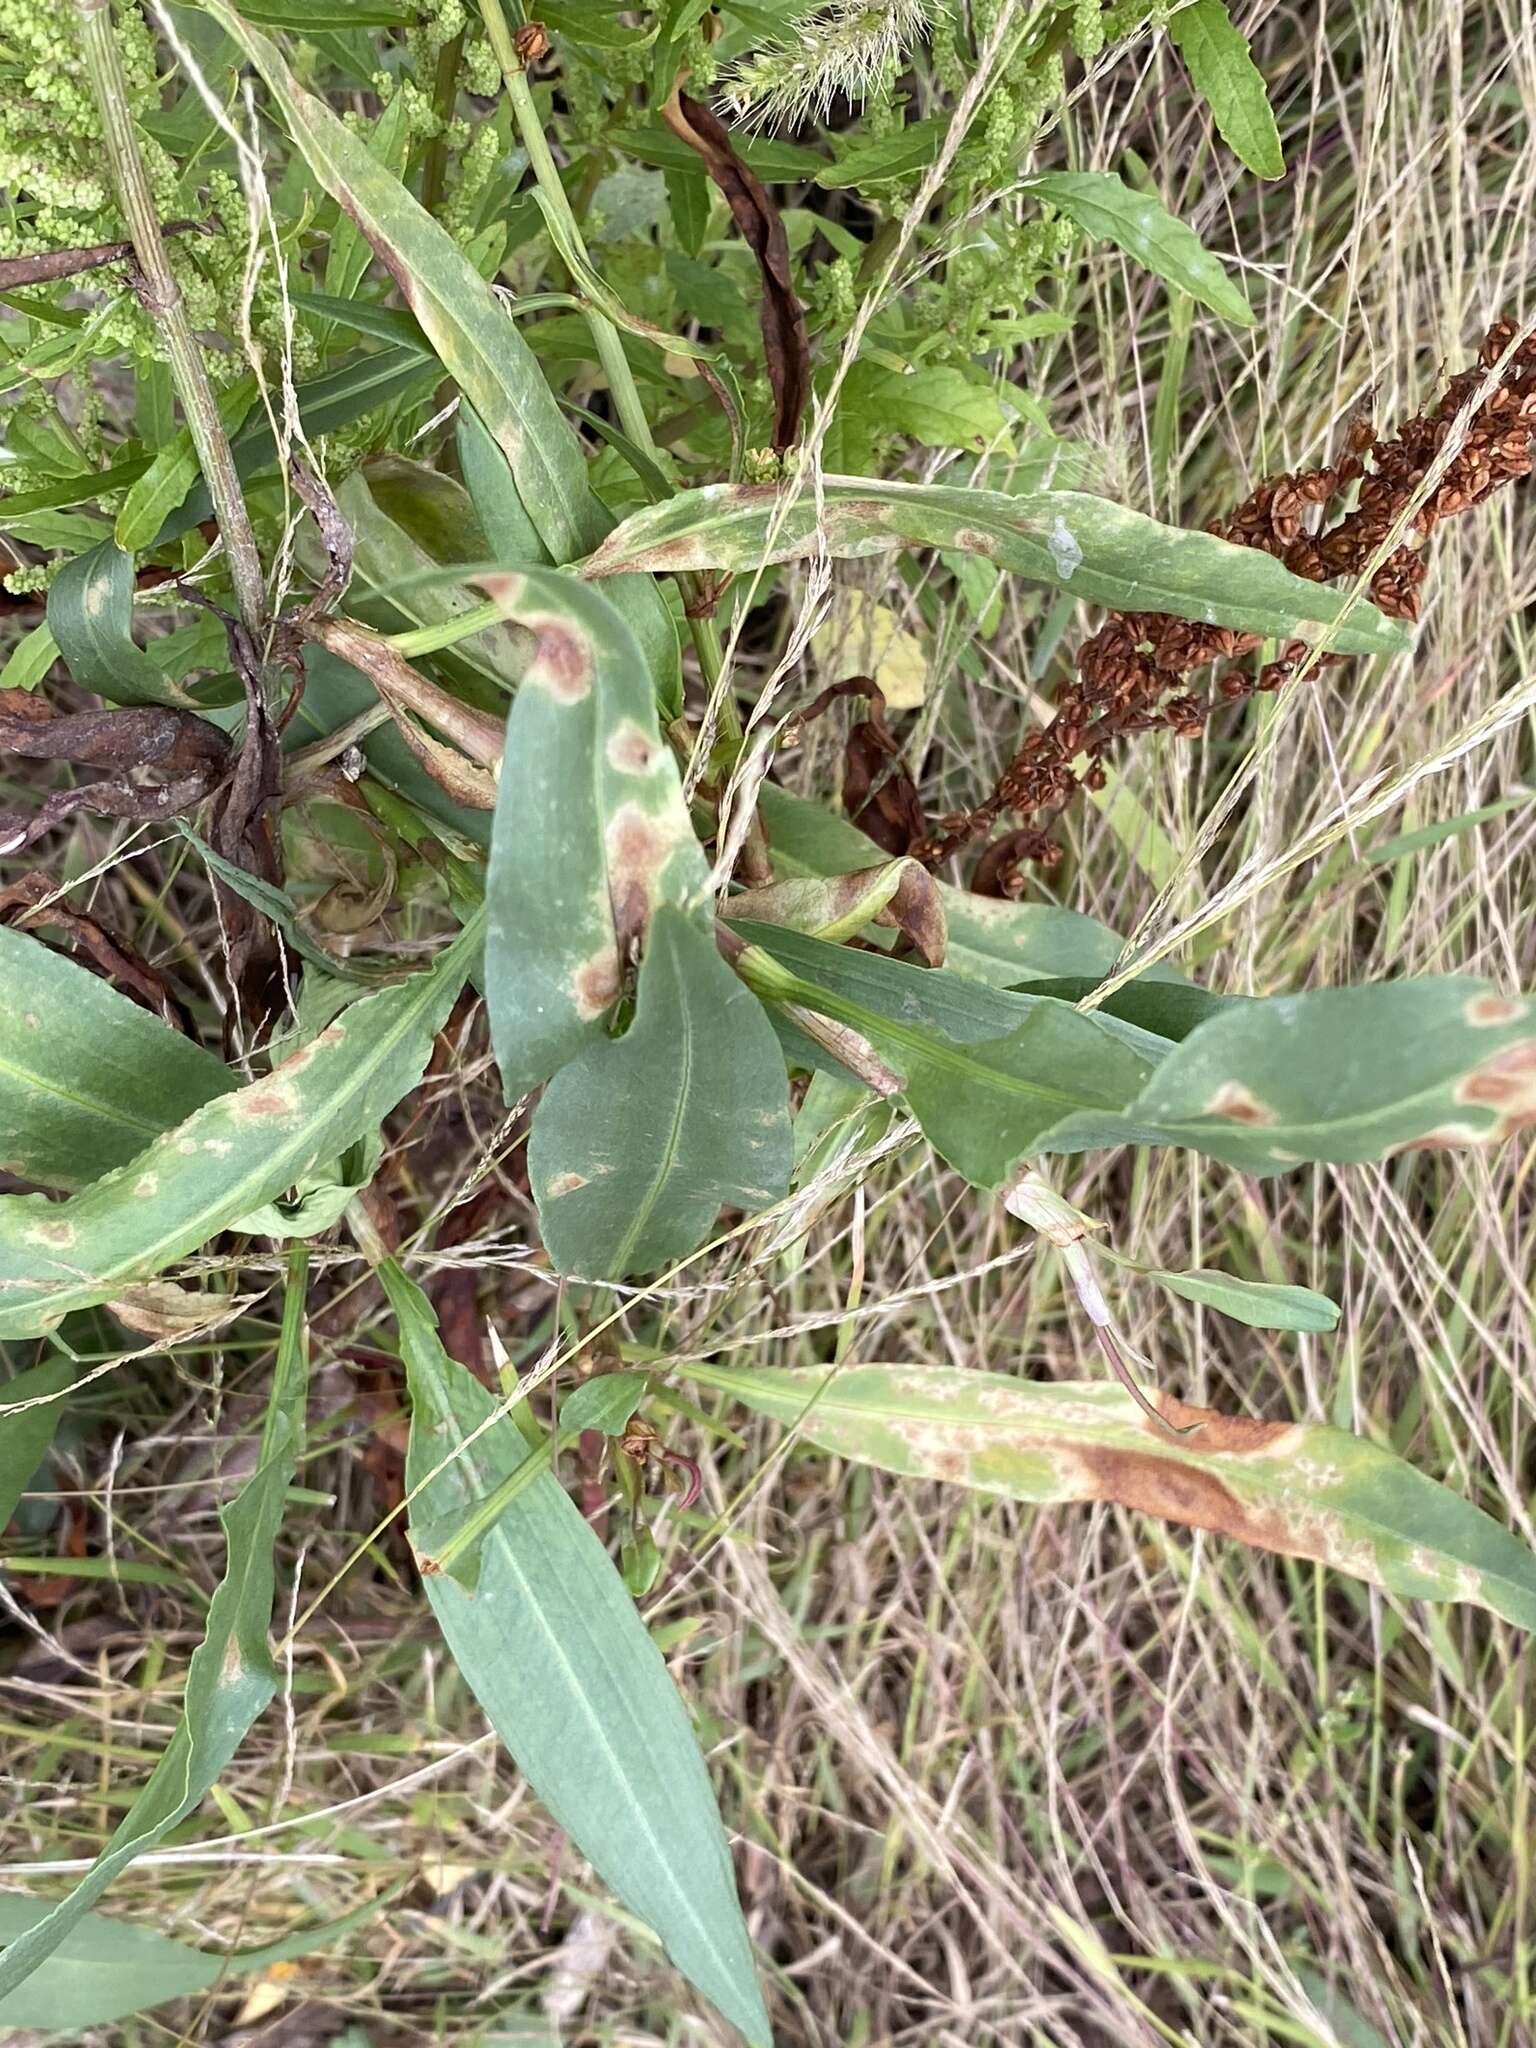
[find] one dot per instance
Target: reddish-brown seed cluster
(1130, 675)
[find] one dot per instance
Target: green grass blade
(231, 1677)
(640, 1142)
(1302, 1489)
(87, 1078)
(1090, 546)
(552, 1647)
(227, 1159)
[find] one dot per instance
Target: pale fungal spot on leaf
(59, 1236)
(562, 662)
(146, 1185)
(972, 541)
(1065, 552)
(267, 1100)
(1239, 1105)
(564, 1184)
(595, 984)
(218, 1146)
(629, 750)
(1487, 1009)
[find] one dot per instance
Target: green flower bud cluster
(473, 159)
(1087, 30)
(831, 295)
(984, 290)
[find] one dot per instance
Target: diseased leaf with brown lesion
(786, 350)
(154, 761)
(1301, 1489)
(591, 832)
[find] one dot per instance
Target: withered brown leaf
(786, 350)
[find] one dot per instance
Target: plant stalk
(161, 297)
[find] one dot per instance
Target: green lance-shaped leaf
(1343, 1075)
(470, 330)
(1105, 207)
(591, 833)
(640, 1142)
(1216, 55)
(553, 1649)
(226, 1160)
(105, 1969)
(27, 1430)
(90, 614)
(1096, 549)
(987, 1073)
(1261, 1304)
(87, 1078)
(1302, 1489)
(231, 1677)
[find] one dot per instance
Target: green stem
(445, 84)
(609, 344)
(161, 297)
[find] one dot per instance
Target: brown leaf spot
(1240, 1435)
(629, 750)
(60, 1235)
(1490, 1009)
(595, 985)
(637, 848)
(971, 541)
(1507, 1083)
(1233, 1101)
(562, 661)
(1159, 1485)
(564, 1184)
(269, 1099)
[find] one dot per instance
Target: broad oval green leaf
(1303, 1489)
(231, 1677)
(90, 614)
(605, 1402)
(1105, 207)
(591, 834)
(640, 1142)
(1098, 550)
(87, 1078)
(1223, 72)
(237, 1152)
(99, 1971)
(566, 1673)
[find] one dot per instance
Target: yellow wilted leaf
(864, 638)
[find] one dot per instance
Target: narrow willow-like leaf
(553, 1649)
(1105, 207)
(90, 613)
(988, 938)
(1222, 71)
(1096, 549)
(231, 1677)
(227, 1159)
(1261, 1304)
(591, 833)
(173, 472)
(473, 335)
(87, 1078)
(1344, 1075)
(640, 1141)
(105, 1969)
(1302, 1489)
(30, 659)
(326, 403)
(26, 1432)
